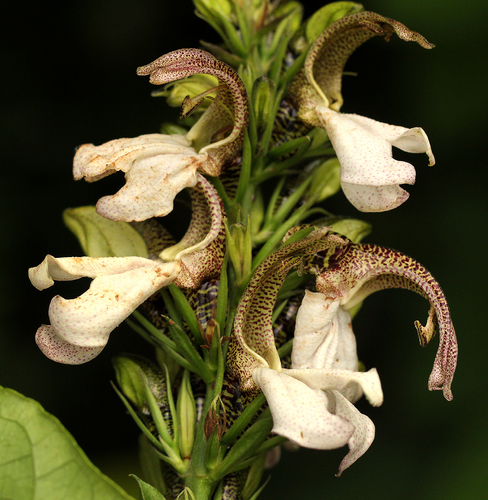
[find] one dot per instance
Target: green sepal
(239, 249)
(187, 312)
(147, 491)
(213, 449)
(288, 147)
(147, 433)
(258, 492)
(222, 298)
(186, 349)
(101, 237)
(149, 332)
(326, 180)
(151, 466)
(129, 369)
(162, 428)
(262, 90)
(254, 477)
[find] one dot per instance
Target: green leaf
(40, 460)
(148, 492)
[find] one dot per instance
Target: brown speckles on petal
(364, 269)
(231, 100)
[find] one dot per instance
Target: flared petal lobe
(300, 413)
(119, 286)
(370, 176)
(157, 167)
(312, 403)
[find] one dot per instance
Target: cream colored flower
(370, 176)
(158, 166)
(312, 403)
(80, 328)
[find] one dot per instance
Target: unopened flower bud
(326, 180)
(101, 237)
(262, 91)
(187, 416)
(239, 246)
(214, 8)
(132, 373)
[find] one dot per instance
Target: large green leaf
(40, 460)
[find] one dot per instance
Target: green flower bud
(326, 180)
(130, 371)
(101, 237)
(186, 412)
(295, 9)
(257, 213)
(327, 15)
(239, 245)
(262, 103)
(354, 229)
(214, 8)
(186, 494)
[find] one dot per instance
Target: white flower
(158, 166)
(370, 176)
(312, 403)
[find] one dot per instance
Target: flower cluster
(247, 376)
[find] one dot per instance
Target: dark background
(68, 77)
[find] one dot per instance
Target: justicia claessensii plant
(250, 313)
